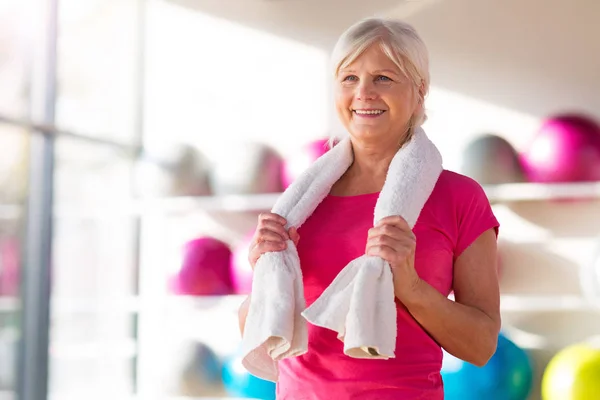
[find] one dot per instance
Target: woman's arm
(468, 327)
(243, 314)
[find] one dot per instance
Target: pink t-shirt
(456, 213)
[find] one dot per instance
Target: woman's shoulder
(454, 182)
(455, 190)
(459, 207)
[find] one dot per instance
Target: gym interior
(140, 139)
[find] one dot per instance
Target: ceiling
(534, 56)
(314, 22)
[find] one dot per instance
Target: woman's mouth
(368, 113)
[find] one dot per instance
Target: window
(13, 191)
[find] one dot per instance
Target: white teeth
(368, 112)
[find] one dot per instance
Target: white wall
(534, 56)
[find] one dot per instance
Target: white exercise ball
(172, 170)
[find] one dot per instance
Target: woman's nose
(365, 91)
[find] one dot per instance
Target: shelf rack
(133, 304)
(503, 193)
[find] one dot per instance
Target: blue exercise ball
(192, 369)
(508, 375)
(239, 382)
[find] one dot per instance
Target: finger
(293, 232)
(267, 235)
(264, 247)
(395, 220)
(391, 232)
(395, 232)
(273, 227)
(392, 256)
(386, 230)
(398, 248)
(402, 243)
(385, 252)
(267, 216)
(383, 240)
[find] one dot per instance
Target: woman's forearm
(243, 314)
(463, 331)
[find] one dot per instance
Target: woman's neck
(367, 172)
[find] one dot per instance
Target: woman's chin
(368, 134)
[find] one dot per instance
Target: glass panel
(92, 332)
(96, 68)
(15, 30)
(14, 145)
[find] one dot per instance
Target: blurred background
(139, 139)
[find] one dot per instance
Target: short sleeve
(474, 216)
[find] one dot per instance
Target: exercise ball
(171, 170)
(239, 382)
(246, 168)
(573, 374)
(300, 160)
(508, 375)
(192, 369)
(241, 271)
(204, 270)
(9, 267)
(491, 160)
(566, 148)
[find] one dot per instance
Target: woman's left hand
(393, 240)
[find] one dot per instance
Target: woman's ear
(420, 98)
(419, 104)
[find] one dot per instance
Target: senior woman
(381, 79)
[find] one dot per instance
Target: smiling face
(374, 99)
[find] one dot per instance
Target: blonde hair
(399, 41)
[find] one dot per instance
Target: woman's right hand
(270, 236)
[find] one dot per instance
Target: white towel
(359, 304)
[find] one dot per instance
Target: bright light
(212, 82)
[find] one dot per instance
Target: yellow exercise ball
(573, 374)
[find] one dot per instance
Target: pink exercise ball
(9, 267)
(300, 161)
(566, 148)
(204, 270)
(241, 271)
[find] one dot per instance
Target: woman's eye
(383, 78)
(350, 78)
